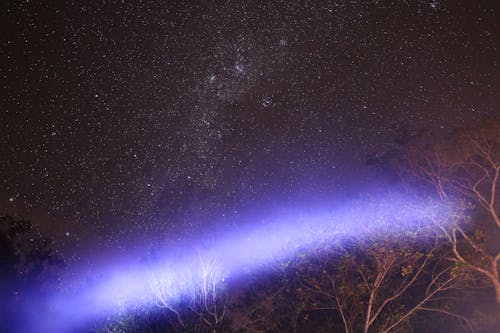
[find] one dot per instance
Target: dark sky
(143, 116)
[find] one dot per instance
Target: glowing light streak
(235, 252)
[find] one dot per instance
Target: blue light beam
(234, 253)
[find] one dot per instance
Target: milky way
(160, 115)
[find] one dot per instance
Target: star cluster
(150, 116)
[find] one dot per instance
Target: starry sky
(147, 117)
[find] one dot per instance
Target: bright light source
(237, 252)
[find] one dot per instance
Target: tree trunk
(497, 292)
(369, 312)
(496, 285)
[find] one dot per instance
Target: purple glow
(233, 253)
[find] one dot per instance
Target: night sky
(122, 118)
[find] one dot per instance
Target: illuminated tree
(466, 167)
(377, 285)
(197, 298)
(164, 287)
(210, 297)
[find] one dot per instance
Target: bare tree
(199, 290)
(210, 297)
(379, 285)
(165, 288)
(468, 166)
